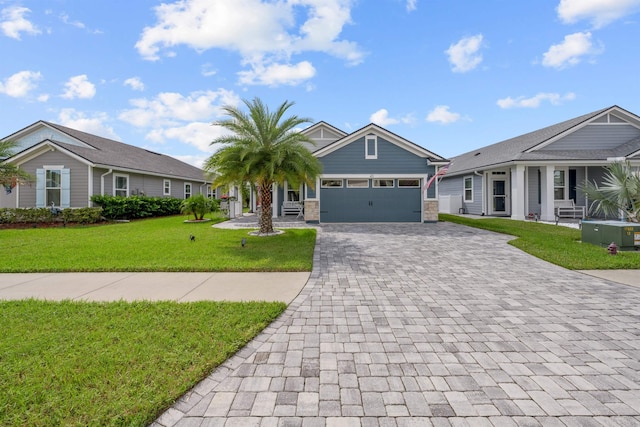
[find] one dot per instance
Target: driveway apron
(432, 325)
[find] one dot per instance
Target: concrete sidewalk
(182, 287)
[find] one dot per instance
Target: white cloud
(464, 55)
(134, 83)
(570, 51)
(412, 5)
(65, 18)
(263, 33)
(197, 134)
(442, 115)
(599, 12)
(207, 70)
(20, 84)
(381, 118)
(197, 161)
(95, 124)
(534, 102)
(278, 74)
(79, 87)
(171, 108)
(14, 22)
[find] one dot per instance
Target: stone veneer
(312, 210)
(430, 211)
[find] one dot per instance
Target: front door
(498, 201)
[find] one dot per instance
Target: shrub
(199, 206)
(45, 215)
(135, 207)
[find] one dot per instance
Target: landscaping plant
(618, 194)
(199, 205)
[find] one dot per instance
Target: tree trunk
(266, 223)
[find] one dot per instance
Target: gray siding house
(370, 175)
(540, 173)
(70, 166)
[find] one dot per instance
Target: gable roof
(530, 146)
(107, 153)
(388, 135)
(321, 143)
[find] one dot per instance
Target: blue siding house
(370, 175)
(539, 174)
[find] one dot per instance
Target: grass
(113, 364)
(160, 244)
(557, 244)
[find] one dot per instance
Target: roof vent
(477, 154)
(152, 152)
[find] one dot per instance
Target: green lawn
(161, 244)
(113, 364)
(557, 244)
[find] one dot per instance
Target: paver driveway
(433, 324)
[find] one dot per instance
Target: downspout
(484, 202)
(102, 181)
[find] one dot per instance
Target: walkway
(432, 325)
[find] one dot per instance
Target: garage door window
(357, 183)
(383, 183)
(408, 183)
(331, 183)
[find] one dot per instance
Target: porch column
(546, 193)
(274, 201)
(517, 192)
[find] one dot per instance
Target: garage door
(370, 200)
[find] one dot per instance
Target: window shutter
(40, 182)
(65, 188)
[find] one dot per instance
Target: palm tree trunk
(266, 223)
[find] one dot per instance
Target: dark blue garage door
(397, 204)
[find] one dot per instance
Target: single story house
(70, 166)
(370, 175)
(540, 173)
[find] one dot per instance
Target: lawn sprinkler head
(243, 242)
(192, 237)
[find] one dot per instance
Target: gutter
(102, 181)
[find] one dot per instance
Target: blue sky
(449, 75)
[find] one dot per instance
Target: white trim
(31, 128)
(90, 184)
(565, 187)
(393, 183)
(113, 187)
(360, 180)
(164, 187)
(184, 190)
(367, 154)
(332, 186)
(41, 148)
(371, 176)
(464, 189)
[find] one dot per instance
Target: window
(331, 183)
(371, 147)
(167, 187)
(559, 182)
(121, 185)
(53, 187)
(468, 189)
(357, 183)
(187, 190)
(209, 192)
(382, 183)
(293, 194)
(409, 183)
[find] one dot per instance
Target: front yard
(123, 364)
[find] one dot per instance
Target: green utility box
(626, 235)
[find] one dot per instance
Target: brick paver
(432, 325)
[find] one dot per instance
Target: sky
(448, 75)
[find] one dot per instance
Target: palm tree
(619, 192)
(10, 175)
(263, 148)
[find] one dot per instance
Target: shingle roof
(118, 155)
(515, 148)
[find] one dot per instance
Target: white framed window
(293, 194)
(559, 184)
(468, 189)
(371, 147)
(53, 187)
(187, 190)
(357, 183)
(121, 185)
(166, 187)
(383, 183)
(209, 192)
(408, 183)
(331, 183)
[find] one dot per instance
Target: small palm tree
(618, 193)
(263, 148)
(10, 174)
(198, 205)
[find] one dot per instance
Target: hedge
(46, 215)
(135, 207)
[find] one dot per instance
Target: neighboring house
(370, 175)
(70, 166)
(540, 171)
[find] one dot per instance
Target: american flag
(441, 172)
